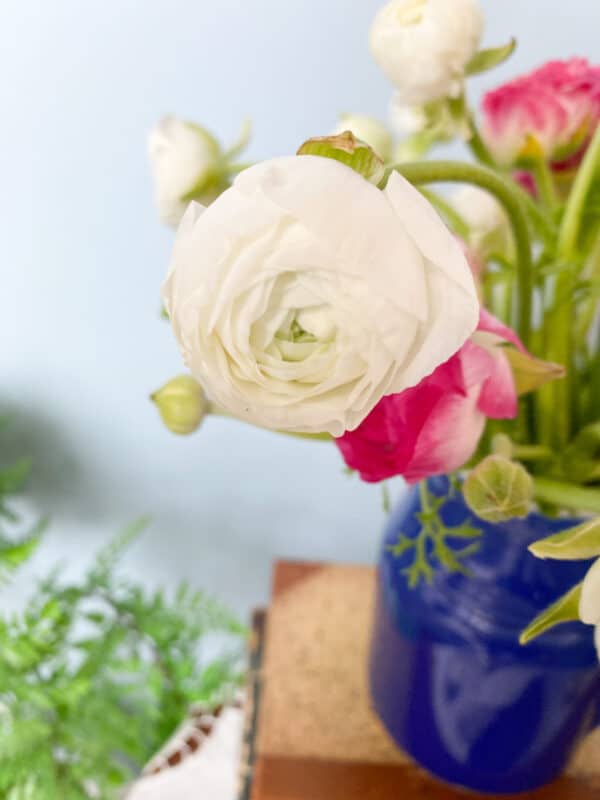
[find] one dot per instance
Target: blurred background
(84, 255)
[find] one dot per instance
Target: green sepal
(574, 544)
(349, 150)
(566, 609)
(499, 489)
(491, 57)
(211, 184)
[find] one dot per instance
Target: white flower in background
(368, 130)
(589, 605)
(489, 228)
(423, 46)
(304, 294)
(186, 162)
(406, 119)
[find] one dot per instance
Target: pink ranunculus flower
(434, 427)
(550, 113)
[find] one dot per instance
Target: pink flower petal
(488, 323)
(498, 397)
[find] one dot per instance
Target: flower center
(411, 12)
(295, 333)
(304, 332)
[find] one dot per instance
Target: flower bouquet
(453, 340)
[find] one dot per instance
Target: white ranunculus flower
(369, 130)
(185, 160)
(589, 605)
(423, 46)
(304, 294)
(489, 228)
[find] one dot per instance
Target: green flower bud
(499, 489)
(182, 404)
(352, 152)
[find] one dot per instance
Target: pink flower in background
(550, 113)
(434, 427)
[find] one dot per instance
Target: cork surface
(317, 636)
(315, 694)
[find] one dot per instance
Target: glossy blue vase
(449, 679)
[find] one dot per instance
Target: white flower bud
(423, 46)
(369, 130)
(489, 228)
(187, 163)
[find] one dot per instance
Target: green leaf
(566, 609)
(574, 544)
(489, 58)
(113, 552)
(14, 554)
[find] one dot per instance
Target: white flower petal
(589, 605)
(303, 295)
(181, 154)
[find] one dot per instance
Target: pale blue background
(83, 255)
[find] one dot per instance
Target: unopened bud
(367, 129)
(352, 152)
(499, 489)
(182, 404)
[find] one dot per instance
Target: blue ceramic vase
(449, 679)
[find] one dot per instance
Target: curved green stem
(457, 172)
(571, 224)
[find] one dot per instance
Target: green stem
(567, 495)
(539, 221)
(559, 321)
(452, 171)
(545, 185)
(476, 144)
(531, 452)
(571, 224)
(424, 497)
(558, 329)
